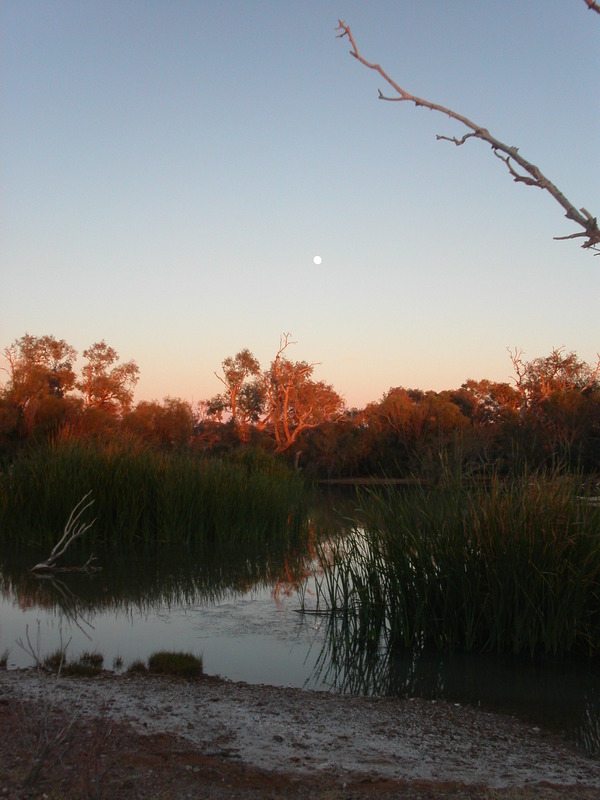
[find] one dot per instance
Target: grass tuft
(137, 667)
(55, 661)
(94, 659)
(182, 665)
(88, 665)
(81, 669)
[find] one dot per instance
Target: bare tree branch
(73, 530)
(530, 175)
(592, 6)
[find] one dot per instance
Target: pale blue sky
(169, 170)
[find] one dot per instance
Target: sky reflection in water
(242, 617)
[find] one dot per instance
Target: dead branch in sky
(593, 6)
(529, 174)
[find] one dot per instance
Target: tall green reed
(141, 494)
(507, 565)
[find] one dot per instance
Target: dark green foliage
(88, 665)
(181, 665)
(506, 565)
(137, 668)
(95, 660)
(143, 495)
(80, 669)
(54, 661)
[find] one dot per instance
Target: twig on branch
(74, 529)
(531, 175)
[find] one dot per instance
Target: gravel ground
(120, 736)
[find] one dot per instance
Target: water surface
(241, 612)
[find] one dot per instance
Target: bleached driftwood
(74, 529)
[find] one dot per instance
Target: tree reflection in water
(561, 694)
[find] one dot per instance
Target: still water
(243, 615)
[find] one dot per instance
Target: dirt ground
(148, 737)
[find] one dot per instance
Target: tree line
(549, 414)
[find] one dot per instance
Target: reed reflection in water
(155, 597)
(241, 612)
(559, 694)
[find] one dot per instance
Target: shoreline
(304, 735)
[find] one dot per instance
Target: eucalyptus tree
(40, 376)
(243, 397)
(295, 401)
(39, 365)
(105, 383)
(169, 424)
(560, 401)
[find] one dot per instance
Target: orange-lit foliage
(243, 397)
(168, 424)
(296, 571)
(552, 412)
(104, 382)
(295, 401)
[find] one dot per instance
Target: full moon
(317, 260)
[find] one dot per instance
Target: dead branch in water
(74, 529)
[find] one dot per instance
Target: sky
(169, 170)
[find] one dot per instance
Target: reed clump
(176, 663)
(137, 667)
(143, 495)
(88, 665)
(506, 565)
